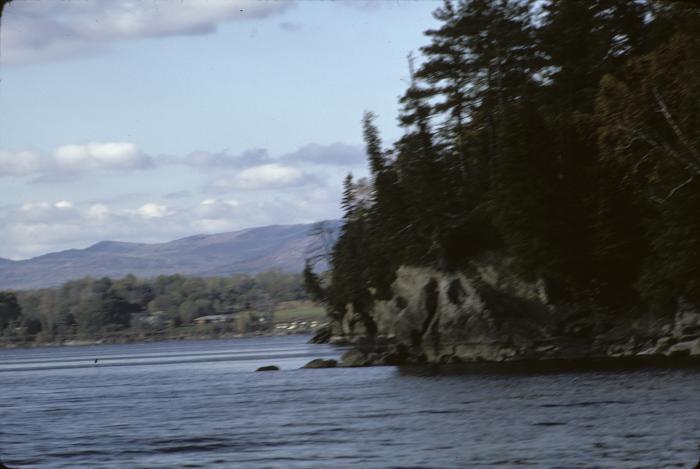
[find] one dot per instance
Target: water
(200, 405)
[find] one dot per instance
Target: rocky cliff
(486, 313)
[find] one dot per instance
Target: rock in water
(339, 340)
(354, 357)
(323, 335)
(321, 363)
(268, 368)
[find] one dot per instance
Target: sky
(150, 120)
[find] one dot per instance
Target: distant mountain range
(253, 250)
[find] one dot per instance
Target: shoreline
(143, 340)
(556, 365)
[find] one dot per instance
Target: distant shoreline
(143, 340)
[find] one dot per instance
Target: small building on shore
(214, 319)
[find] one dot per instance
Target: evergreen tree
(312, 284)
(9, 309)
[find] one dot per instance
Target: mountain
(252, 250)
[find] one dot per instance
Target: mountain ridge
(250, 250)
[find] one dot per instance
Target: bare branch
(407, 227)
(672, 123)
(677, 188)
(635, 169)
(689, 165)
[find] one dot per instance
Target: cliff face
(487, 313)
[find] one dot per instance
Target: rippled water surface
(200, 404)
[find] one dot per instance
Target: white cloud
(63, 204)
(38, 227)
(21, 163)
(101, 156)
(151, 210)
(224, 159)
(214, 202)
(258, 170)
(45, 212)
(337, 154)
(33, 206)
(68, 160)
(291, 188)
(97, 212)
(266, 176)
(48, 30)
(211, 209)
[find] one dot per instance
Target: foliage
(9, 309)
(92, 308)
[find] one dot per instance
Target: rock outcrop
(268, 368)
(487, 313)
(321, 363)
(323, 335)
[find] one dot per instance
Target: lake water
(199, 404)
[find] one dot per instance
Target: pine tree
(312, 284)
(9, 309)
(350, 283)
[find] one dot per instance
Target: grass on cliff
(308, 312)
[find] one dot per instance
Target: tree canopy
(89, 308)
(563, 134)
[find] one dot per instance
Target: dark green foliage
(564, 133)
(32, 326)
(9, 309)
(312, 284)
(674, 267)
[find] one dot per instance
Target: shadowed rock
(355, 357)
(323, 335)
(321, 363)
(264, 368)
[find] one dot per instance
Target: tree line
(90, 308)
(565, 134)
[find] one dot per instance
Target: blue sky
(151, 120)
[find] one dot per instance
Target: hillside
(251, 250)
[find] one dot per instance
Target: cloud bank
(266, 176)
(101, 156)
(249, 170)
(221, 191)
(41, 30)
(70, 160)
(38, 227)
